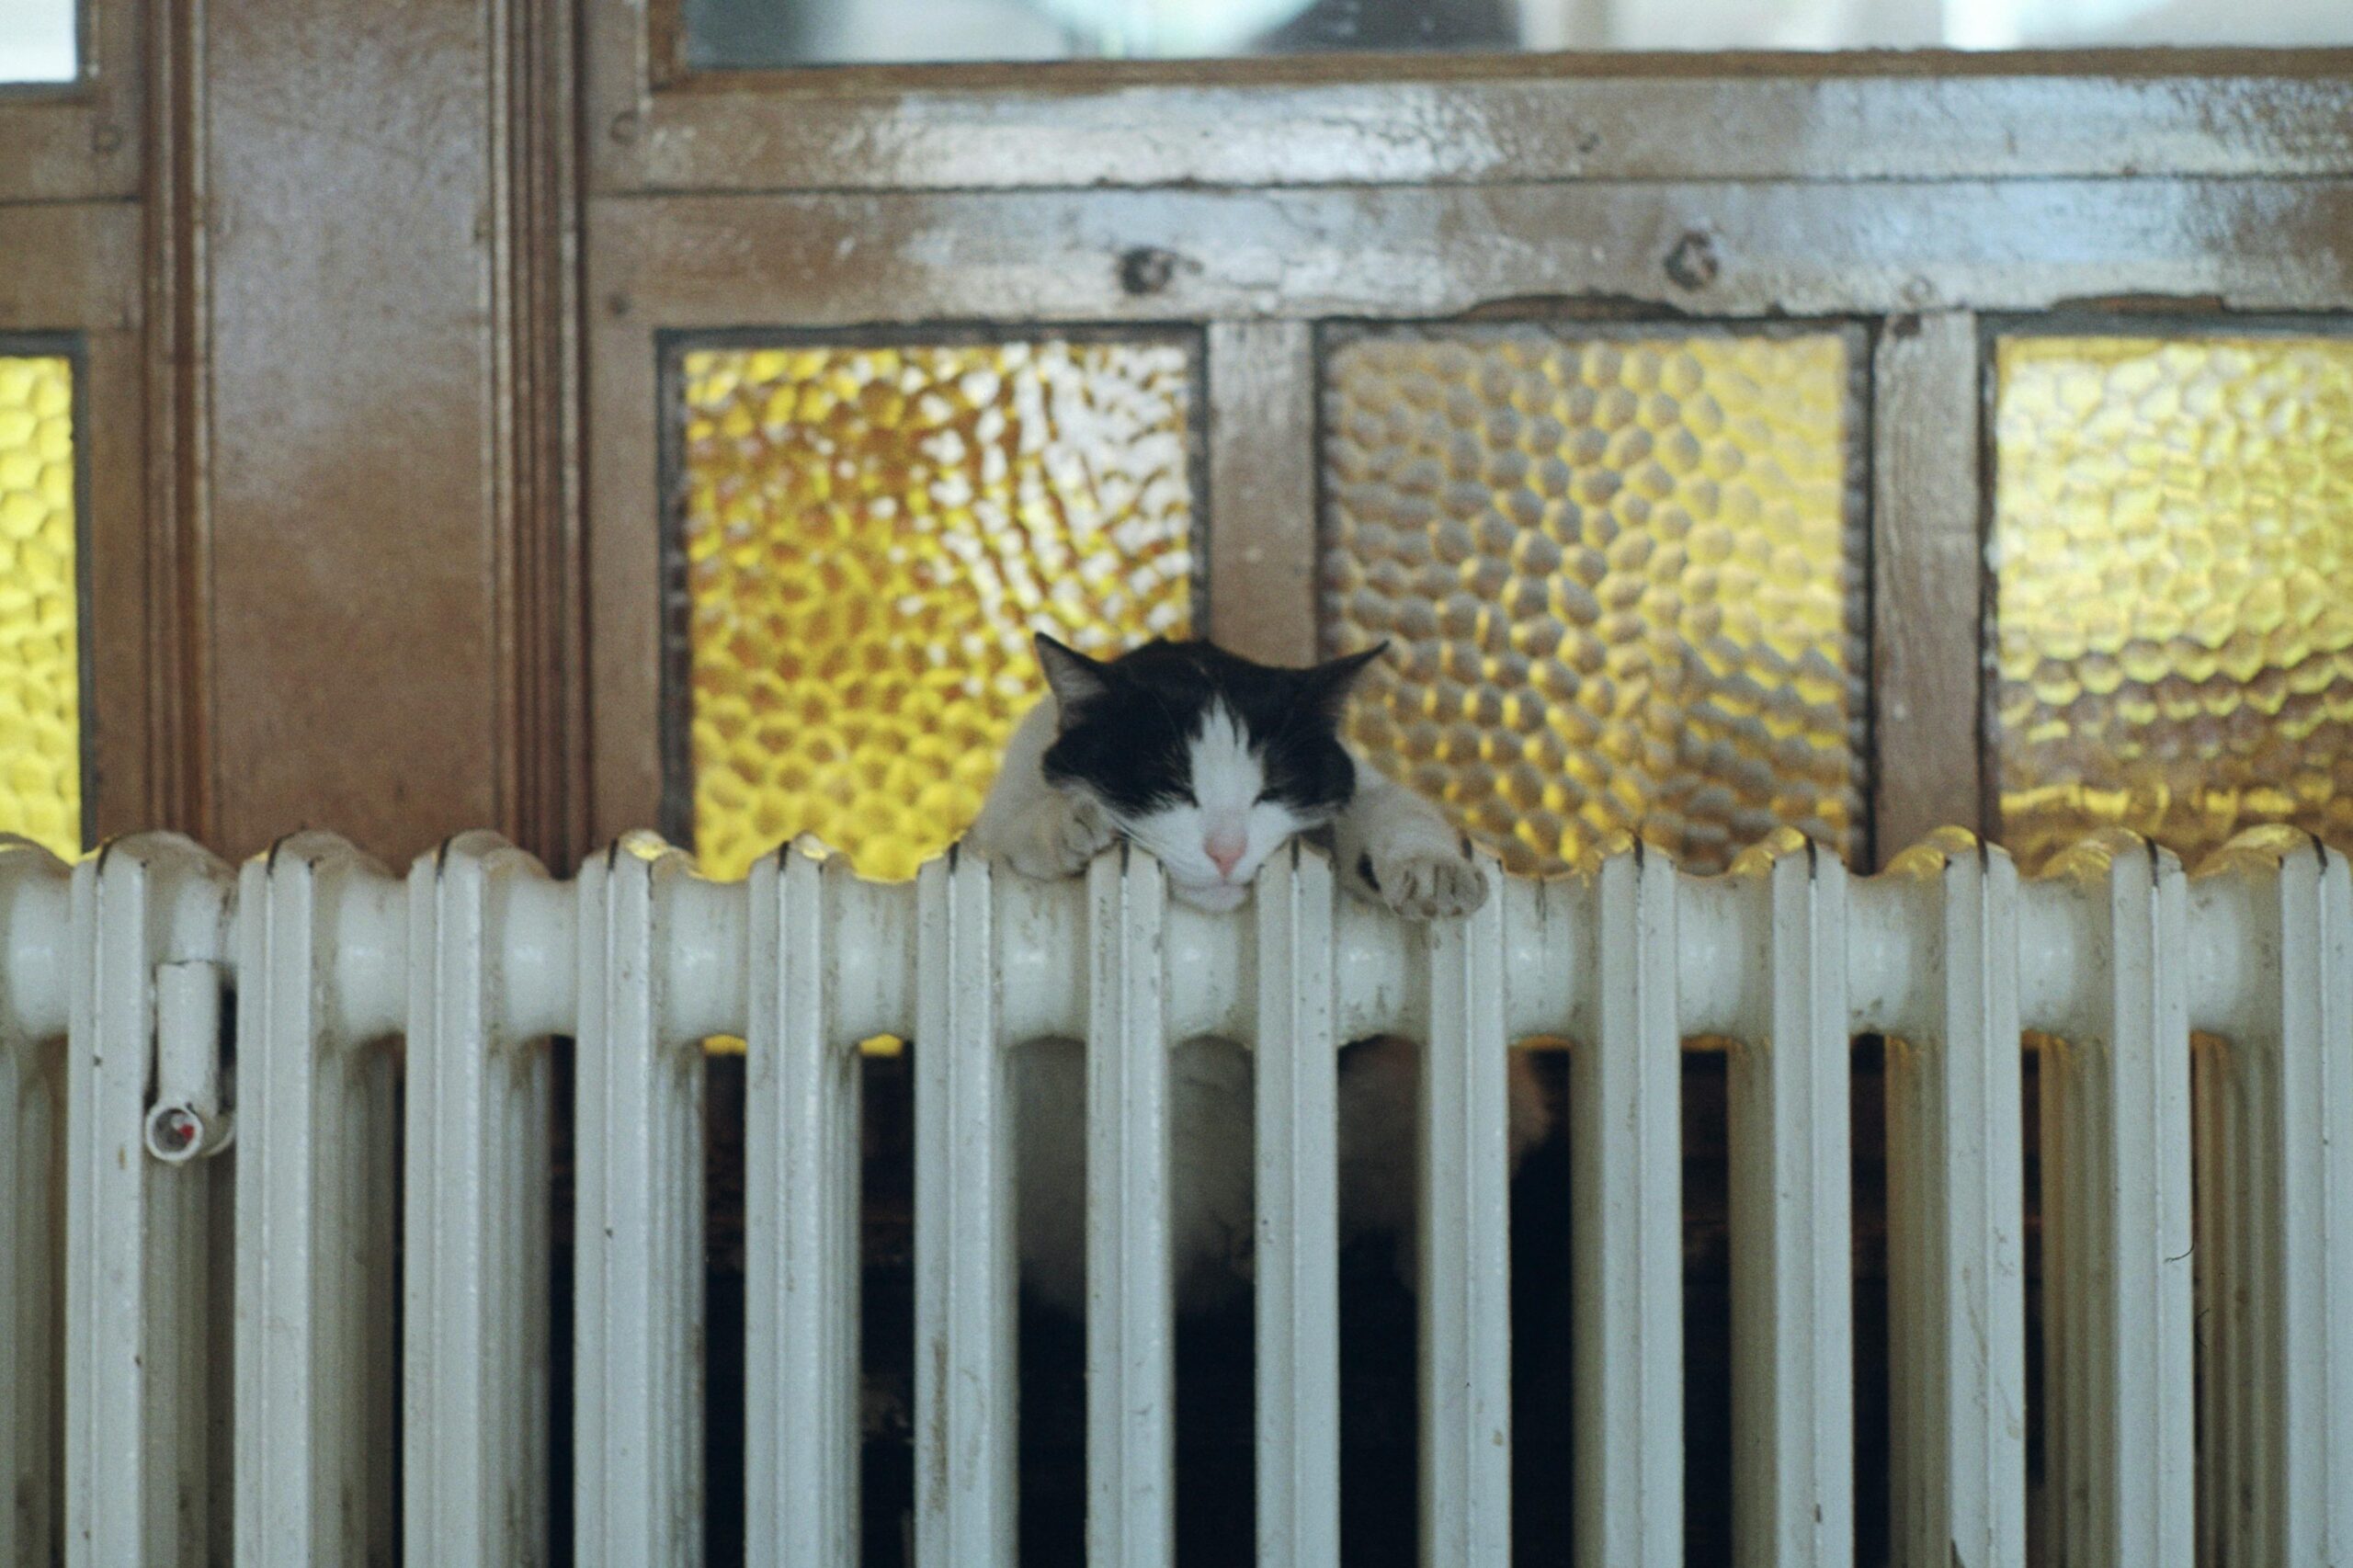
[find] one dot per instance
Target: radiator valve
(190, 1118)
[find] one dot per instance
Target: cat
(1212, 763)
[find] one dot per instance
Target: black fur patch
(1127, 724)
(1364, 869)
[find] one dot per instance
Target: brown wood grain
(1416, 119)
(627, 513)
(69, 268)
(1262, 527)
(364, 476)
(1927, 575)
(177, 523)
(1780, 248)
(120, 621)
(536, 412)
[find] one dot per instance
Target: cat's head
(1207, 760)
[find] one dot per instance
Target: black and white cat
(1212, 763)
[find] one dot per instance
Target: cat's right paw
(1424, 885)
(1065, 836)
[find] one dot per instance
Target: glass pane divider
(1927, 611)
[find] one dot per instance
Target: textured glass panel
(40, 669)
(872, 532)
(1621, 573)
(2173, 535)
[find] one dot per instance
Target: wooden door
(379, 381)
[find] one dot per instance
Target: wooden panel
(176, 437)
(120, 688)
(366, 347)
(624, 584)
(350, 551)
(1420, 119)
(1927, 573)
(1755, 249)
(69, 267)
(1263, 454)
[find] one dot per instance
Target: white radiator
(199, 1351)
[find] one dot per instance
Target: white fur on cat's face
(1211, 845)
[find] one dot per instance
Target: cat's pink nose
(1225, 849)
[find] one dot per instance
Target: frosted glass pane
(2173, 535)
(871, 533)
(754, 33)
(37, 41)
(40, 669)
(1621, 573)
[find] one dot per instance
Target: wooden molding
(1261, 506)
(535, 407)
(1475, 120)
(1927, 569)
(1862, 248)
(180, 792)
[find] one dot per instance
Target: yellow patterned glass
(2173, 540)
(872, 532)
(1621, 574)
(40, 660)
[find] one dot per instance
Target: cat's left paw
(1422, 885)
(1060, 836)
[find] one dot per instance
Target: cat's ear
(1076, 679)
(1325, 686)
